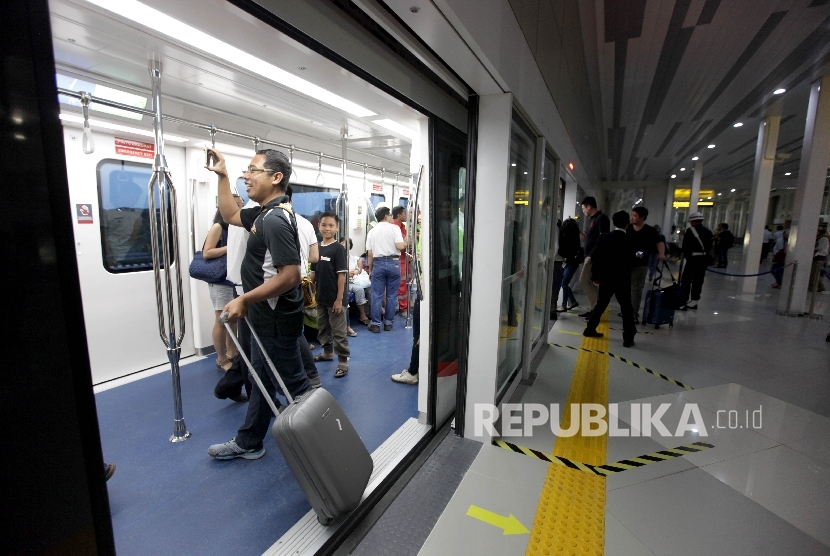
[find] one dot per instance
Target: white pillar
(493, 163)
(569, 201)
(812, 170)
(759, 200)
(696, 186)
(668, 212)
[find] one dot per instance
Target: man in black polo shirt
(644, 241)
(597, 224)
(272, 299)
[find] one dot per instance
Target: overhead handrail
(218, 130)
(166, 303)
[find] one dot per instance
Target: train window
(125, 216)
(311, 201)
(376, 199)
(404, 202)
(240, 188)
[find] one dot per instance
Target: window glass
(516, 251)
(243, 193)
(543, 205)
(311, 201)
(449, 172)
(125, 216)
(404, 202)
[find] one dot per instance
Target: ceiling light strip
(179, 31)
(118, 127)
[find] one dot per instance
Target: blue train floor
(168, 498)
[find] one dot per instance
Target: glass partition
(449, 161)
(543, 207)
(516, 251)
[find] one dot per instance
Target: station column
(759, 200)
(808, 196)
(569, 200)
(696, 179)
(493, 163)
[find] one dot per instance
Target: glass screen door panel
(449, 160)
(543, 204)
(516, 251)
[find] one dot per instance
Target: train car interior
(230, 81)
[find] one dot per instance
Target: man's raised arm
(227, 206)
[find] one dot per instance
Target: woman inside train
(216, 245)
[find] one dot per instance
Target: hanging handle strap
(88, 142)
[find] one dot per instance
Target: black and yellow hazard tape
(632, 363)
(608, 468)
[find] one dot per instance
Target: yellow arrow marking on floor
(509, 524)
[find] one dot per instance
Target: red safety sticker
(84, 213)
(138, 149)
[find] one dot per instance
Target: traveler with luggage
(272, 297)
(644, 241)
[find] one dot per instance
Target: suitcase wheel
(325, 521)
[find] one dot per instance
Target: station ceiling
(664, 79)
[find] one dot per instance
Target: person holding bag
(221, 293)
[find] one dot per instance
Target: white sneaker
(692, 305)
(405, 377)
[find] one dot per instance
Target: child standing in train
(330, 277)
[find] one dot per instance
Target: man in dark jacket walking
(611, 271)
(697, 242)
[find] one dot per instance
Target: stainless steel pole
(165, 302)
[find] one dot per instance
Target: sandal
(351, 333)
(366, 322)
(221, 364)
(321, 357)
(341, 371)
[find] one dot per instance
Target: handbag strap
(700, 241)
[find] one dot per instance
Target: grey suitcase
(320, 445)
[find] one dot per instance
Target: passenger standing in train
(645, 241)
(597, 224)
(399, 219)
(271, 281)
(230, 385)
(331, 276)
(309, 254)
(216, 246)
(383, 244)
(611, 272)
(697, 243)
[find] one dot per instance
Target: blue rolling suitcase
(662, 302)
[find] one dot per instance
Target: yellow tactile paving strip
(570, 516)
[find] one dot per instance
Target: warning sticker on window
(84, 212)
(139, 149)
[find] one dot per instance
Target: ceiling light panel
(400, 129)
(118, 127)
(179, 31)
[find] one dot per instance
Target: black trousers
(693, 274)
(621, 289)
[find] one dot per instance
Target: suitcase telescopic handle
(224, 319)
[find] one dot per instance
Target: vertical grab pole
(165, 302)
(413, 285)
(343, 200)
